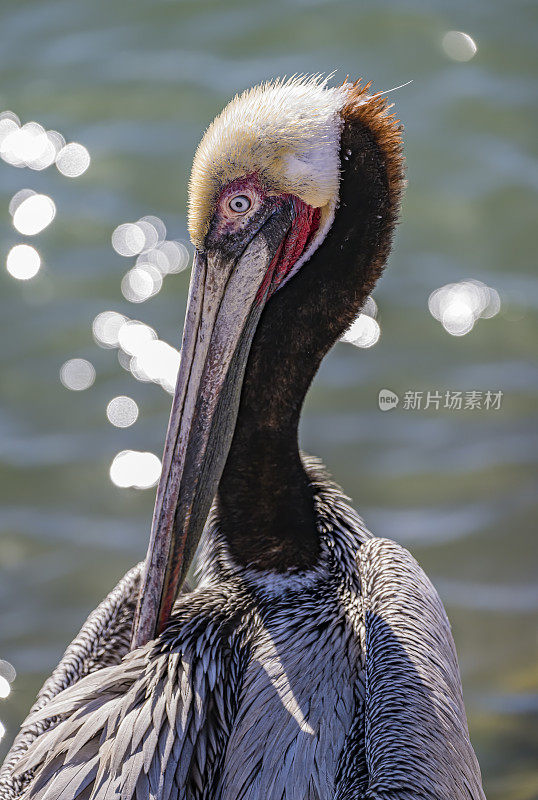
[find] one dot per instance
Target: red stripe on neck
(305, 224)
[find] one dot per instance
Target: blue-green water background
(136, 83)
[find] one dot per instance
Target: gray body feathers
(103, 640)
(339, 683)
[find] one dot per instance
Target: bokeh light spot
(177, 254)
(157, 224)
(57, 140)
(134, 335)
(457, 317)
(369, 307)
(458, 306)
(106, 327)
(141, 283)
(73, 160)
(122, 411)
(34, 214)
(25, 146)
(363, 332)
(168, 257)
(17, 199)
(132, 468)
(77, 374)
(124, 360)
(29, 145)
(149, 232)
(23, 262)
(128, 239)
(9, 122)
(157, 361)
(7, 671)
(493, 305)
(459, 46)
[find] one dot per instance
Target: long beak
(226, 298)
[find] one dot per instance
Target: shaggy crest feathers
(286, 131)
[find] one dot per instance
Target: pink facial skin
(305, 224)
(229, 221)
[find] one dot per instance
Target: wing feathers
(138, 729)
(415, 727)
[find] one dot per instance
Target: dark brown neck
(265, 502)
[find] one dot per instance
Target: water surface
(136, 83)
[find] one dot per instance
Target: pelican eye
(240, 203)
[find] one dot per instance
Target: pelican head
(264, 195)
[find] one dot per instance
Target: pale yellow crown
(288, 132)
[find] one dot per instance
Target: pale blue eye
(240, 203)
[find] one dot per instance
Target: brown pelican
(312, 660)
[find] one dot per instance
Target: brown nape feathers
(371, 111)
